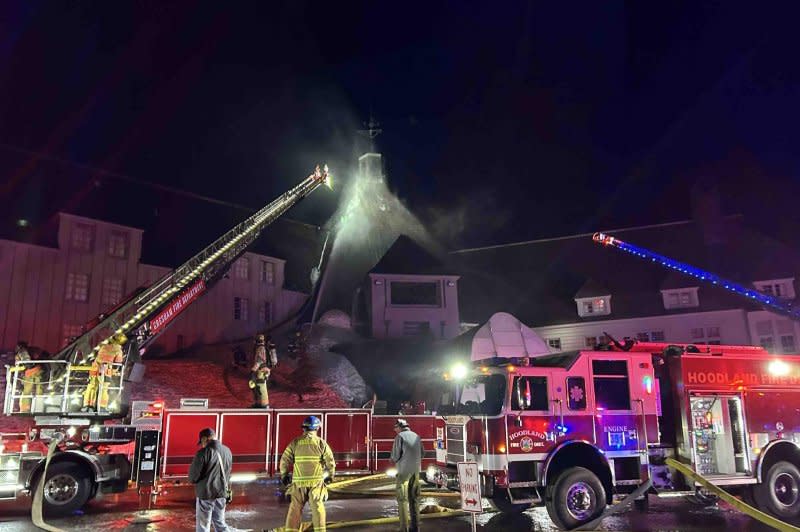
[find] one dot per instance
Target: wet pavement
(257, 506)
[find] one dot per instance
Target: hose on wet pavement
(743, 507)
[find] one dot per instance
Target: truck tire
(779, 492)
(576, 497)
(66, 489)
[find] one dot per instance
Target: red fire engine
(572, 430)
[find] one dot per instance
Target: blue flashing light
(768, 301)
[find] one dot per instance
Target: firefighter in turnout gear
(259, 373)
(258, 383)
(313, 469)
(407, 457)
(31, 376)
(103, 373)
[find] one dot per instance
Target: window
(698, 333)
(404, 293)
(77, 287)
(240, 307)
(416, 328)
(554, 343)
(787, 343)
(681, 298)
(265, 313)
(590, 341)
(643, 337)
(657, 336)
(118, 244)
(70, 332)
(767, 342)
(764, 328)
(529, 393)
(777, 287)
(596, 306)
(112, 292)
(82, 237)
(267, 272)
(611, 384)
(241, 268)
(576, 393)
(712, 332)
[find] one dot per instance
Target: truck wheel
(779, 493)
(577, 497)
(503, 505)
(66, 489)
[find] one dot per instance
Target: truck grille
(456, 446)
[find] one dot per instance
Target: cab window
(576, 393)
(611, 388)
(529, 393)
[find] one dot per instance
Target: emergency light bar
(771, 302)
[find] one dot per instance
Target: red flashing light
(158, 405)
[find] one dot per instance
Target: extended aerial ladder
(141, 319)
(770, 302)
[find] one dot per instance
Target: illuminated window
(240, 308)
(596, 306)
(267, 272)
(118, 244)
(112, 291)
(241, 268)
(77, 287)
(777, 287)
(82, 237)
(588, 307)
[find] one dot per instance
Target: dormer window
(777, 287)
(680, 298)
(594, 306)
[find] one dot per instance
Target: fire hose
(731, 500)
(36, 507)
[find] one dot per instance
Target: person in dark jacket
(210, 473)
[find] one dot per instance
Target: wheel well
(778, 452)
(581, 455)
(61, 458)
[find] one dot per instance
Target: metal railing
(64, 394)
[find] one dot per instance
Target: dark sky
(503, 120)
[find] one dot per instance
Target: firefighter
(407, 457)
(259, 352)
(272, 349)
(313, 469)
(31, 376)
(102, 373)
(258, 383)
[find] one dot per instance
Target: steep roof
(405, 256)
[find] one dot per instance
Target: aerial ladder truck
(84, 388)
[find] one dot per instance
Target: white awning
(504, 336)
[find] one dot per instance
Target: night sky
(502, 121)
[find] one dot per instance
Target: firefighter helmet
(120, 339)
(312, 423)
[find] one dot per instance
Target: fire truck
(572, 430)
(79, 402)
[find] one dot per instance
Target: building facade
(48, 294)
